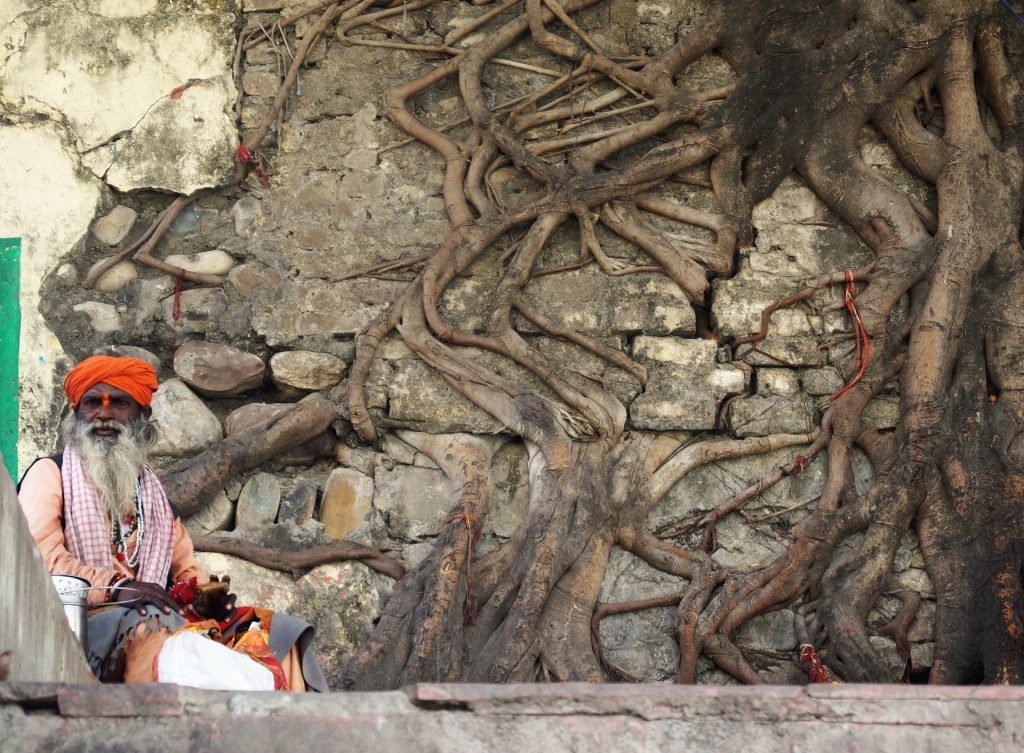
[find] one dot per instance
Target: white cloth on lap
(191, 659)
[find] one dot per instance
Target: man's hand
(136, 593)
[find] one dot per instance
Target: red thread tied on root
(255, 161)
(861, 335)
(811, 664)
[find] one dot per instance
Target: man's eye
(90, 402)
(120, 402)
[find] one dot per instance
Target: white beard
(112, 463)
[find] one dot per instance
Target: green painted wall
(10, 335)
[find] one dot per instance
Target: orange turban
(134, 376)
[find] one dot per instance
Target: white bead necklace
(119, 534)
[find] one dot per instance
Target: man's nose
(105, 412)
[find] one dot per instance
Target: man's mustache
(104, 424)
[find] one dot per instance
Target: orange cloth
(133, 375)
(42, 501)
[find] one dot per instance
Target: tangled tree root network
(938, 307)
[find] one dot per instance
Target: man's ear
(147, 411)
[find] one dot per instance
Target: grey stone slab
(761, 415)
(685, 384)
(593, 303)
(258, 502)
(112, 227)
(298, 503)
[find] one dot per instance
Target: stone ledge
(561, 717)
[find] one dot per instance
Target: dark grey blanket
(106, 632)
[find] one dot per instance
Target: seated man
(98, 511)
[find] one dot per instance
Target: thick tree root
(300, 562)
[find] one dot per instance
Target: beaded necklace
(119, 534)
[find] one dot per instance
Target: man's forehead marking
(107, 390)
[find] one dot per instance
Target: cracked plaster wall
(86, 105)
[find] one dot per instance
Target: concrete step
(515, 718)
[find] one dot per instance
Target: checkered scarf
(87, 532)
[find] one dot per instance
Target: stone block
(740, 300)
(218, 515)
(593, 303)
(260, 83)
(761, 415)
(685, 384)
(259, 501)
(773, 631)
(306, 370)
(218, 370)
(917, 579)
(675, 350)
(215, 262)
(248, 277)
(641, 644)
(782, 382)
(415, 501)
(891, 658)
(116, 277)
(684, 410)
(186, 426)
(133, 351)
(348, 497)
(420, 396)
(798, 236)
(922, 654)
(414, 554)
(143, 296)
(112, 227)
(510, 502)
(923, 626)
(742, 546)
(299, 502)
(247, 214)
(200, 309)
(294, 309)
(343, 601)
(820, 382)
(103, 317)
(566, 355)
(185, 225)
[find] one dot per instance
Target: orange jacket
(42, 500)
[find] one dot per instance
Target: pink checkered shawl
(87, 532)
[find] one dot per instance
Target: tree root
(300, 562)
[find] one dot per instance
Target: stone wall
(343, 198)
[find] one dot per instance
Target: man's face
(109, 408)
